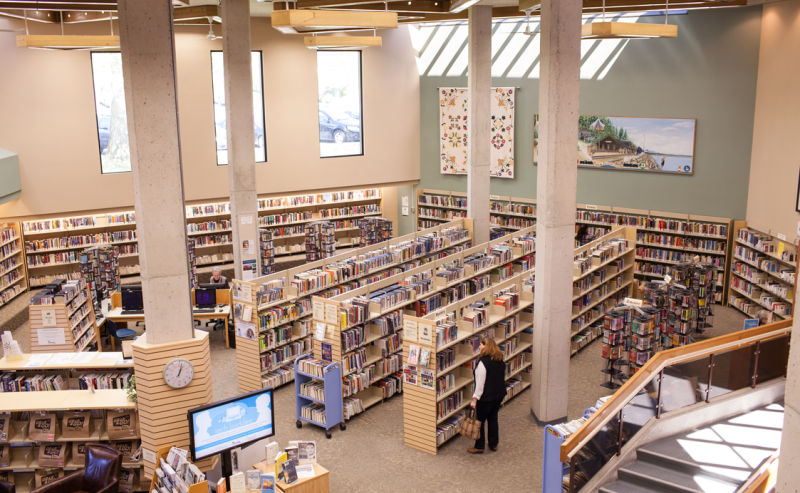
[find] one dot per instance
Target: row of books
(79, 241)
(7, 234)
(284, 354)
(653, 223)
(764, 243)
(53, 259)
(350, 211)
(208, 209)
(687, 242)
(442, 201)
(286, 218)
(7, 279)
(213, 239)
(10, 382)
(10, 264)
(211, 226)
(441, 213)
(511, 222)
(322, 198)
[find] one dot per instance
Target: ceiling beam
(530, 4)
(196, 12)
(33, 15)
(68, 42)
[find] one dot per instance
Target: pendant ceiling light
(341, 42)
(628, 30)
(295, 21)
(64, 42)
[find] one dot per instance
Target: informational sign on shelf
(249, 269)
(48, 317)
(410, 330)
(633, 302)
(51, 337)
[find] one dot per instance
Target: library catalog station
(399, 246)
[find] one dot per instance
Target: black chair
(119, 334)
(7, 487)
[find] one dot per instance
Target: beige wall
(772, 195)
(47, 117)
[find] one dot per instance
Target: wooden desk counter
(318, 484)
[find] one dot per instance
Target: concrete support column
(789, 464)
(557, 176)
(479, 84)
(148, 67)
(241, 137)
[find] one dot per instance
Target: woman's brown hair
(490, 349)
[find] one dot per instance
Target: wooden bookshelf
(421, 416)
(286, 216)
(611, 278)
(13, 274)
(248, 353)
(763, 271)
(53, 246)
(666, 246)
(69, 317)
(24, 451)
(326, 311)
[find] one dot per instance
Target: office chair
(119, 334)
(7, 487)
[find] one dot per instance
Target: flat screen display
(205, 297)
(132, 300)
(231, 423)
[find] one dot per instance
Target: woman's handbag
(470, 427)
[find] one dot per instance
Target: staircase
(714, 459)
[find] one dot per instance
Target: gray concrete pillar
(789, 463)
(556, 180)
(479, 84)
(148, 66)
(241, 139)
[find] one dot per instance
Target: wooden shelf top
(100, 361)
(66, 400)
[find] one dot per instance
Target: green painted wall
(709, 73)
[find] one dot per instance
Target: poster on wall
(453, 134)
(660, 145)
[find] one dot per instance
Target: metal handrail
(630, 389)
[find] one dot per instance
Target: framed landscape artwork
(654, 145)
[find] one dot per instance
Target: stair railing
(673, 379)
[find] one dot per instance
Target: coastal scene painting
(662, 145)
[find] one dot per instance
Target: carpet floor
(370, 456)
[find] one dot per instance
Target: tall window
(112, 121)
(220, 128)
(339, 85)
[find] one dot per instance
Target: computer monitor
(205, 297)
(231, 423)
(213, 285)
(132, 300)
(130, 287)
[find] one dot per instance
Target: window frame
(96, 116)
(360, 101)
(263, 107)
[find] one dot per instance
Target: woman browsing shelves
(490, 389)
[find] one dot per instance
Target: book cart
(763, 273)
(364, 327)
(553, 470)
(13, 276)
(318, 393)
(71, 313)
(17, 406)
(288, 293)
(444, 385)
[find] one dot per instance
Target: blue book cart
(553, 470)
(332, 379)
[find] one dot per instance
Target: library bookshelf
(663, 238)
(602, 276)
(74, 316)
(763, 271)
(53, 246)
(13, 274)
(290, 287)
(450, 385)
(24, 450)
(332, 313)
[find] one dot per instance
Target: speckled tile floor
(370, 455)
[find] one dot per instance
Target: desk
(320, 483)
(219, 313)
(222, 311)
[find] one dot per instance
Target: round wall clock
(178, 373)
